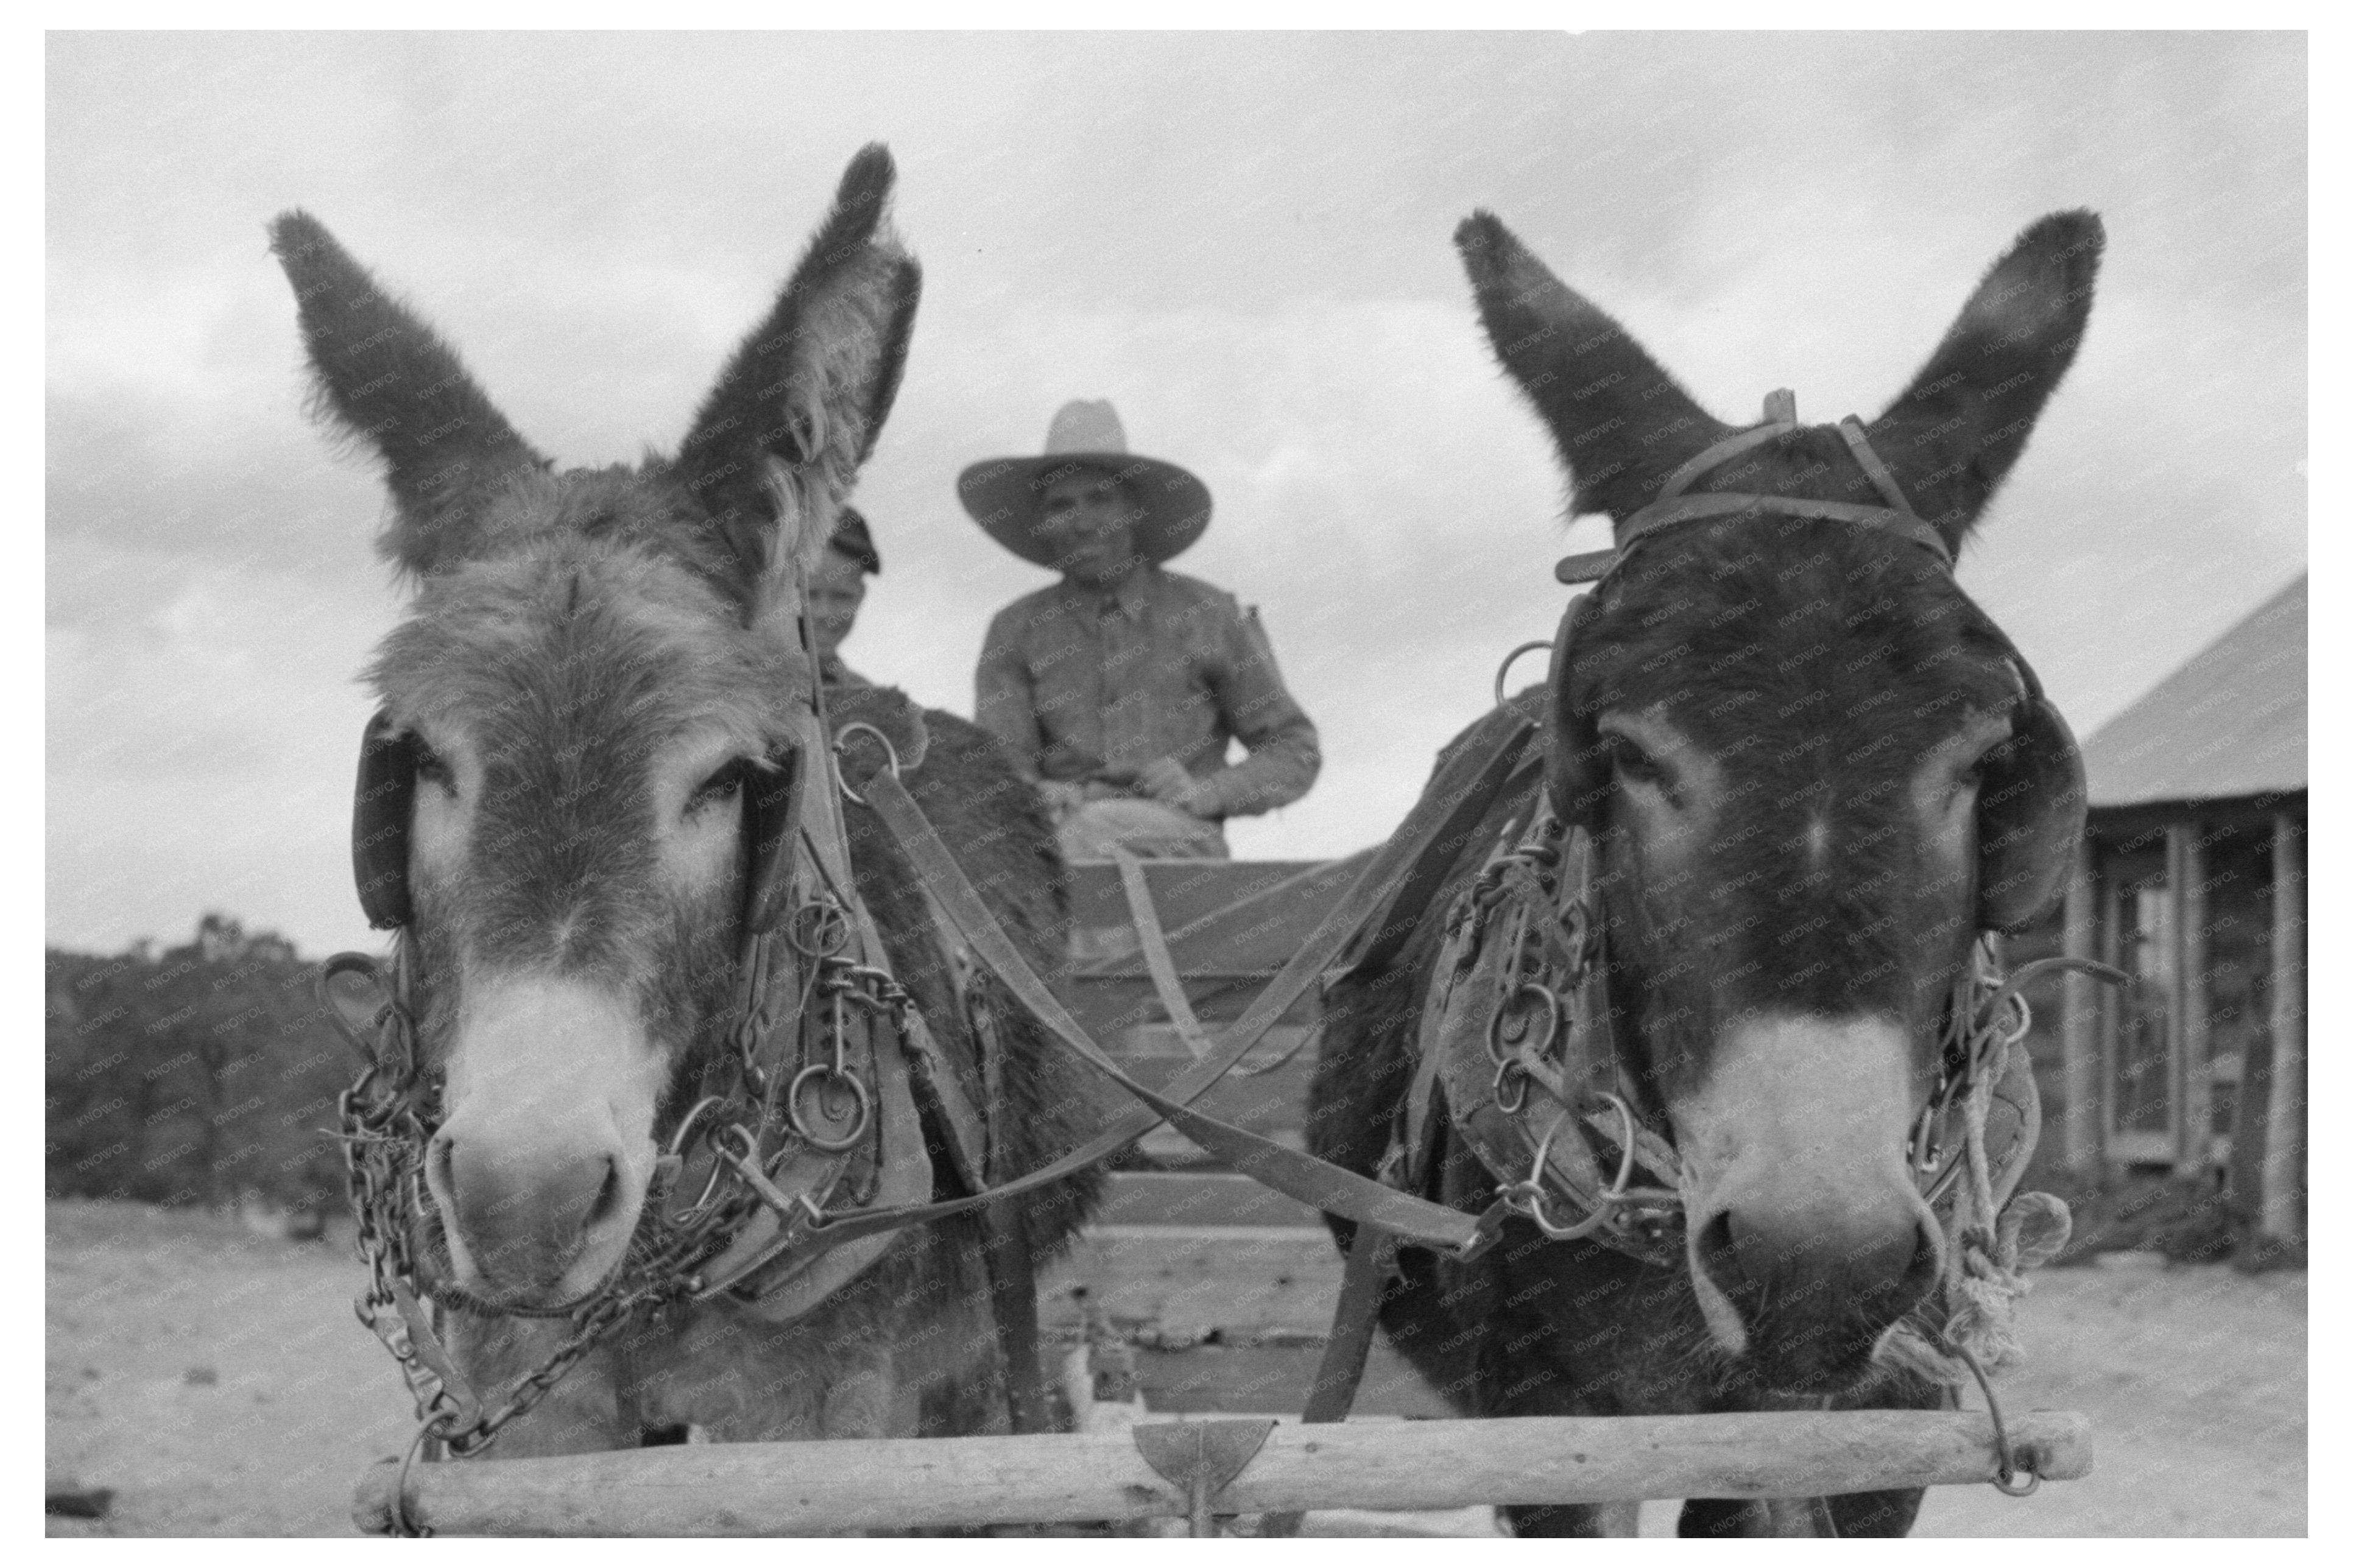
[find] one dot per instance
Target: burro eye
(723, 785)
(1630, 760)
(431, 765)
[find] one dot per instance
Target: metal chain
(384, 1126)
(1554, 941)
(1986, 1018)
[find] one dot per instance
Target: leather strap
(1371, 1253)
(805, 1276)
(1012, 1268)
(1341, 1371)
(1673, 507)
(1881, 478)
(1154, 944)
(1723, 452)
(1422, 848)
(1302, 1176)
(1013, 1306)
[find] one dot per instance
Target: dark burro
(1715, 1004)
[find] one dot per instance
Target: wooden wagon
(1198, 1290)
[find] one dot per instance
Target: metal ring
(858, 1092)
(1509, 659)
(354, 964)
(677, 1150)
(686, 1123)
(1503, 1071)
(1534, 1193)
(889, 750)
(1544, 1151)
(1495, 1049)
(1625, 1150)
(832, 919)
(2008, 1462)
(402, 1525)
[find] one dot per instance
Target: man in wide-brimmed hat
(1120, 687)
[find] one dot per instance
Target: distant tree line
(204, 1074)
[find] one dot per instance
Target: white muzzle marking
(1798, 1135)
(551, 1083)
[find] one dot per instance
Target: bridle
(1520, 1010)
(1674, 507)
(814, 962)
(1521, 1036)
(826, 1091)
(1522, 999)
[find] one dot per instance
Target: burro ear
(1621, 423)
(778, 441)
(382, 375)
(1956, 431)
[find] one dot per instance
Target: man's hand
(1166, 781)
(1062, 799)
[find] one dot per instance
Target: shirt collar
(1131, 597)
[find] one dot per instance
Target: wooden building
(2190, 879)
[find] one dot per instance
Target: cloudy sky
(1240, 240)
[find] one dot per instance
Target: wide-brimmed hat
(1004, 494)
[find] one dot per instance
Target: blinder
(380, 808)
(383, 801)
(772, 808)
(2030, 809)
(2032, 804)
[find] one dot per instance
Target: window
(2142, 1038)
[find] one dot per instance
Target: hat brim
(1004, 494)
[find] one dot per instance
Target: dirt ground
(215, 1381)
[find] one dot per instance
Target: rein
(742, 1221)
(1522, 1010)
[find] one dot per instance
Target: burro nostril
(1777, 1270)
(1725, 1258)
(609, 1196)
(1719, 1254)
(1927, 1265)
(575, 1194)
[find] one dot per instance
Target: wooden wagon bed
(1198, 1288)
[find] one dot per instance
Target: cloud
(1242, 242)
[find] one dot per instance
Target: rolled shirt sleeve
(1284, 756)
(1004, 702)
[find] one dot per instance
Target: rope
(1989, 1245)
(1985, 1285)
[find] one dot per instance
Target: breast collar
(1674, 507)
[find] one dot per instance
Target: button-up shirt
(1081, 683)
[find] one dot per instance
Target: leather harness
(1520, 1000)
(1519, 1011)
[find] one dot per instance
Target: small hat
(849, 537)
(1003, 495)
